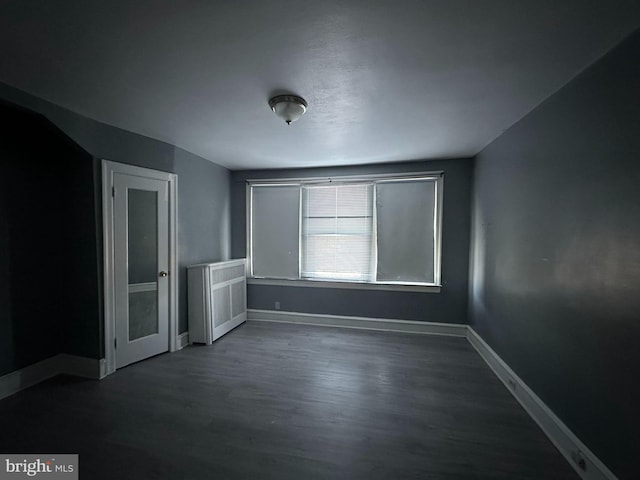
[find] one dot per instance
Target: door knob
(163, 274)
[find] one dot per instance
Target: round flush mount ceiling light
(288, 107)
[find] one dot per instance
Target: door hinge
(115, 343)
(113, 191)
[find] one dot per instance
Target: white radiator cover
(217, 299)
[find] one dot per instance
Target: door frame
(109, 168)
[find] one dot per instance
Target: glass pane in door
(142, 256)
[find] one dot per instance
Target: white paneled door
(141, 276)
(141, 227)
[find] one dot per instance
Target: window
(337, 232)
(377, 230)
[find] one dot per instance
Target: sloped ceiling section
(385, 80)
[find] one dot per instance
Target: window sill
(344, 285)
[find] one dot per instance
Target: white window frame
(437, 176)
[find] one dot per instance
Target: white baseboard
(59, 364)
(28, 376)
(364, 323)
(183, 340)
(81, 366)
(564, 439)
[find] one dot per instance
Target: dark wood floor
(280, 401)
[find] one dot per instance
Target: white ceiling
(385, 80)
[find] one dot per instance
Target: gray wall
(203, 223)
(448, 306)
(556, 254)
(203, 216)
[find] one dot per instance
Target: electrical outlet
(277, 305)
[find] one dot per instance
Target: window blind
(275, 210)
(337, 232)
(405, 211)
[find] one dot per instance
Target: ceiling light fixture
(288, 107)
